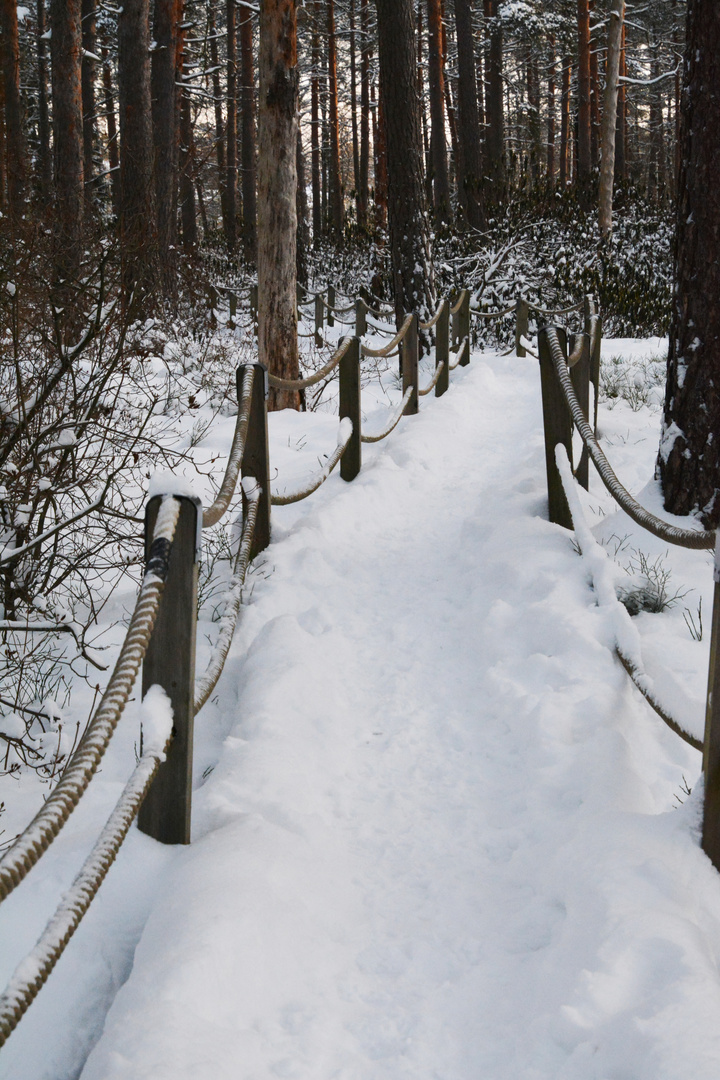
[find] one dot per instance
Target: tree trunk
(44, 155)
(494, 137)
(621, 125)
(468, 119)
(162, 80)
(249, 135)
(438, 148)
(365, 52)
(219, 122)
(689, 457)
(584, 158)
(303, 231)
(66, 53)
(315, 158)
(381, 171)
(594, 97)
(353, 111)
(609, 118)
(188, 217)
(551, 114)
(277, 181)
(231, 175)
(15, 151)
(409, 234)
(336, 192)
(137, 207)
(89, 46)
(565, 173)
(112, 135)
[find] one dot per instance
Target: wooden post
(711, 747)
(595, 364)
(254, 307)
(331, 305)
(558, 427)
(232, 303)
(442, 349)
(255, 461)
(360, 317)
(351, 460)
(580, 376)
(461, 327)
(170, 662)
(409, 355)
(522, 318)
(319, 319)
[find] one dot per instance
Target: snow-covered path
(436, 838)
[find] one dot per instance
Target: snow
(437, 832)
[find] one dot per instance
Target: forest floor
(437, 833)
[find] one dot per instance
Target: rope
(459, 355)
(212, 515)
(336, 310)
(367, 351)
(429, 325)
(394, 420)
(32, 972)
(433, 381)
(381, 329)
(560, 311)
(627, 638)
(527, 346)
(49, 820)
(228, 622)
(320, 374)
(493, 314)
(344, 436)
(454, 310)
(688, 538)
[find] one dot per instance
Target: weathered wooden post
(522, 320)
(580, 377)
(442, 349)
(319, 319)
(461, 326)
(170, 663)
(255, 461)
(360, 317)
(557, 423)
(711, 744)
(595, 348)
(409, 356)
(330, 305)
(351, 460)
(232, 304)
(254, 307)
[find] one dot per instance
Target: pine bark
(137, 206)
(277, 181)
(89, 45)
(438, 147)
(609, 119)
(584, 156)
(66, 53)
(621, 125)
(689, 456)
(44, 153)
(409, 234)
(249, 134)
(565, 134)
(231, 147)
(494, 137)
(551, 114)
(15, 149)
(336, 192)
(365, 53)
(468, 117)
(315, 158)
(167, 17)
(112, 134)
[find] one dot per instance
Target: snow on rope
(689, 538)
(212, 515)
(433, 381)
(627, 637)
(393, 422)
(320, 374)
(32, 972)
(344, 435)
(36, 838)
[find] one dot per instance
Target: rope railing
(433, 382)
(460, 354)
(161, 638)
(671, 534)
(215, 512)
(345, 433)
(433, 321)
(492, 314)
(565, 384)
(314, 379)
(391, 345)
(36, 838)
